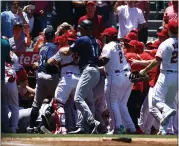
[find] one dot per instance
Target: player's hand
(41, 12)
(134, 61)
(143, 72)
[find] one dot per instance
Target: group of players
(94, 88)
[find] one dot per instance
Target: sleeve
(141, 18)
(2, 21)
(161, 52)
(58, 57)
(106, 52)
(119, 10)
(74, 47)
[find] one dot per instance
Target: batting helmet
(86, 24)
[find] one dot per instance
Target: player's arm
(102, 61)
(153, 64)
(55, 60)
(140, 62)
(30, 90)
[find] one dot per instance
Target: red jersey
(97, 23)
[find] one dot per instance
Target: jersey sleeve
(74, 47)
(106, 52)
(141, 18)
(58, 57)
(161, 52)
(119, 10)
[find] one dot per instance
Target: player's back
(69, 68)
(116, 57)
(169, 52)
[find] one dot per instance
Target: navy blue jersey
(87, 49)
(46, 52)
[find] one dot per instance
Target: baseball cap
(135, 31)
(17, 24)
(111, 31)
(172, 26)
(49, 33)
(139, 46)
(163, 33)
(131, 36)
(155, 44)
(86, 24)
(90, 3)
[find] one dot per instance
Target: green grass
(83, 135)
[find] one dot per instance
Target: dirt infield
(80, 141)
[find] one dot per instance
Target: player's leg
(87, 82)
(162, 89)
(128, 123)
(13, 102)
(4, 107)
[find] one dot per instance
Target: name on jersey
(27, 58)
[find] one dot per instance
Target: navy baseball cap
(49, 33)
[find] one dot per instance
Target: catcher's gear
(135, 77)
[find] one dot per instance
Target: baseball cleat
(167, 115)
(30, 130)
(78, 131)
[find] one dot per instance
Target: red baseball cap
(111, 31)
(131, 36)
(135, 31)
(172, 26)
(139, 46)
(163, 33)
(155, 44)
(90, 3)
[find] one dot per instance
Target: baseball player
(166, 87)
(67, 83)
(11, 92)
(87, 49)
(112, 58)
(47, 79)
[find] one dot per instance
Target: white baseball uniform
(11, 92)
(114, 83)
(166, 87)
(67, 83)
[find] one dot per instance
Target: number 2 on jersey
(120, 57)
(174, 58)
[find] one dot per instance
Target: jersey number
(120, 57)
(174, 58)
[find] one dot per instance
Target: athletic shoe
(130, 131)
(30, 130)
(95, 128)
(139, 131)
(167, 115)
(78, 131)
(162, 132)
(120, 130)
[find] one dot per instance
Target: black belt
(93, 65)
(126, 69)
(173, 71)
(72, 73)
(116, 71)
